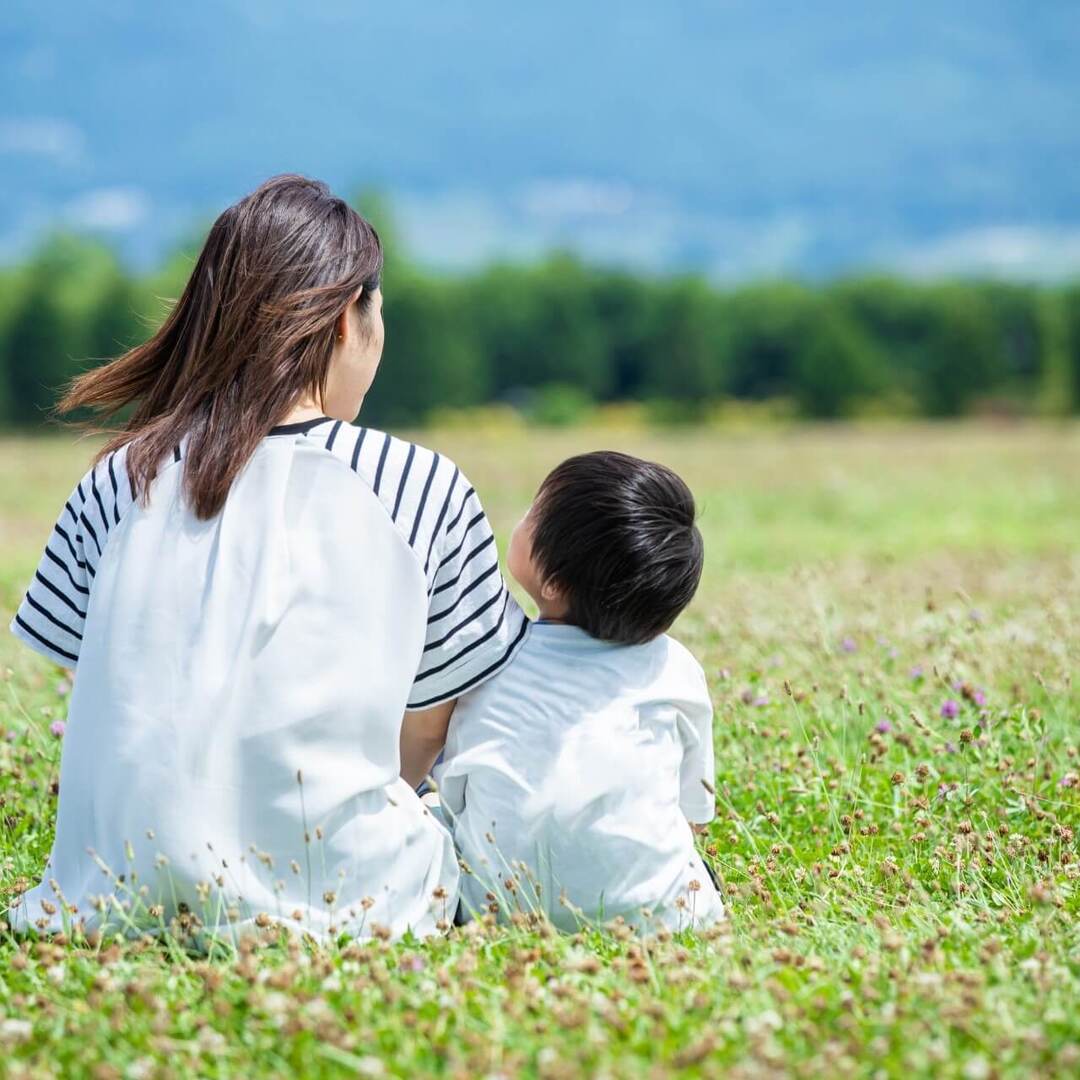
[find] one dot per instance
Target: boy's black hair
(616, 534)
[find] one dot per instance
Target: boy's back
(584, 760)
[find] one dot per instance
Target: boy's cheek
(519, 558)
(514, 562)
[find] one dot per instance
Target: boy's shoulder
(663, 661)
(682, 673)
(678, 655)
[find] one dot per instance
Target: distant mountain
(741, 138)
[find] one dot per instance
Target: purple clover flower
(950, 709)
(58, 727)
(883, 727)
(848, 644)
(917, 673)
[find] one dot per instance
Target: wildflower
(950, 709)
(57, 728)
(917, 674)
(14, 1030)
(979, 698)
(848, 645)
(1068, 780)
(883, 727)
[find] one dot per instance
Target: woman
(252, 593)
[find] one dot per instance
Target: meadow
(889, 620)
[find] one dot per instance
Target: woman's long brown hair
(253, 331)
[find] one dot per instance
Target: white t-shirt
(350, 576)
(583, 761)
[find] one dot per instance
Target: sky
(737, 139)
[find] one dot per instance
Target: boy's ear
(550, 592)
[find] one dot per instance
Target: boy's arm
(423, 735)
(698, 772)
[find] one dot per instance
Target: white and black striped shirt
(349, 577)
(473, 624)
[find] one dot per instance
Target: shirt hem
(41, 648)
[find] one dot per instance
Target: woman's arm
(423, 735)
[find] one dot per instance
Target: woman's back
(233, 732)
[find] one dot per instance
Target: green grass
(902, 887)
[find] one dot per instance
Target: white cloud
(454, 229)
(41, 136)
(114, 209)
(1037, 252)
(575, 198)
(609, 223)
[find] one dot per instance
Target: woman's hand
(423, 735)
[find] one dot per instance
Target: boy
(571, 780)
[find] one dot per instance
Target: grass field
(903, 882)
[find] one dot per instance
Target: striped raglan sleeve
(52, 616)
(474, 625)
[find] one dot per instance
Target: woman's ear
(344, 328)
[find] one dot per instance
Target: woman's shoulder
(423, 491)
(52, 615)
(100, 499)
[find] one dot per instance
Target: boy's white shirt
(585, 762)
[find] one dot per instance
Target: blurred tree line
(554, 336)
